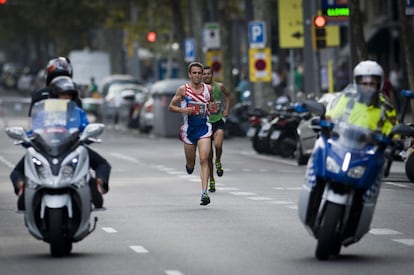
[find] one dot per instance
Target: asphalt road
(154, 223)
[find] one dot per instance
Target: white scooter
(57, 194)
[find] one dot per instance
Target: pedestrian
(93, 89)
(396, 79)
(192, 99)
(217, 123)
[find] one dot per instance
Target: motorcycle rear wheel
(59, 244)
(328, 240)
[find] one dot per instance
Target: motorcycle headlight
(356, 172)
(331, 165)
(67, 172)
(68, 169)
(42, 171)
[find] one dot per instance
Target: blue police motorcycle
(343, 181)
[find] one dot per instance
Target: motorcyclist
(363, 104)
(57, 68)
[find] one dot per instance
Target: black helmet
(57, 67)
(62, 85)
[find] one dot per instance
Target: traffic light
(319, 32)
(151, 37)
(3, 2)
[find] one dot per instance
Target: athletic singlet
(196, 125)
(217, 96)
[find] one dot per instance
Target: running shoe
(205, 199)
(219, 169)
(189, 170)
(212, 186)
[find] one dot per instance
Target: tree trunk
(357, 32)
(226, 52)
(407, 44)
(179, 34)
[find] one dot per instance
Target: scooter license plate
(275, 135)
(251, 132)
(263, 133)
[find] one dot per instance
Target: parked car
(146, 116)
(10, 74)
(154, 114)
(104, 105)
(119, 103)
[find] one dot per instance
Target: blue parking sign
(189, 45)
(257, 34)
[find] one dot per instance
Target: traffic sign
(214, 60)
(290, 14)
(257, 34)
(189, 48)
(211, 36)
(260, 65)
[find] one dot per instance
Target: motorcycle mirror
(17, 132)
(92, 130)
(403, 130)
(315, 107)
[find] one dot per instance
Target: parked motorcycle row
(276, 132)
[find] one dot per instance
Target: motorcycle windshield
(55, 124)
(352, 137)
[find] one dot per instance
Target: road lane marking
(398, 184)
(227, 188)
(109, 230)
(173, 272)
(175, 172)
(281, 202)
(409, 242)
(384, 231)
(138, 249)
(287, 188)
(6, 162)
(128, 158)
(243, 193)
(260, 198)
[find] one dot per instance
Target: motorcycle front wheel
(409, 165)
(328, 240)
(59, 244)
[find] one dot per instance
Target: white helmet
(369, 68)
(368, 73)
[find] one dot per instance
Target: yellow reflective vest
(381, 118)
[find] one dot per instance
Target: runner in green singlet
(218, 111)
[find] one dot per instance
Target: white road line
(398, 184)
(138, 249)
(281, 202)
(243, 193)
(384, 231)
(173, 272)
(175, 172)
(166, 169)
(287, 188)
(124, 157)
(294, 207)
(227, 188)
(409, 242)
(109, 230)
(260, 198)
(6, 162)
